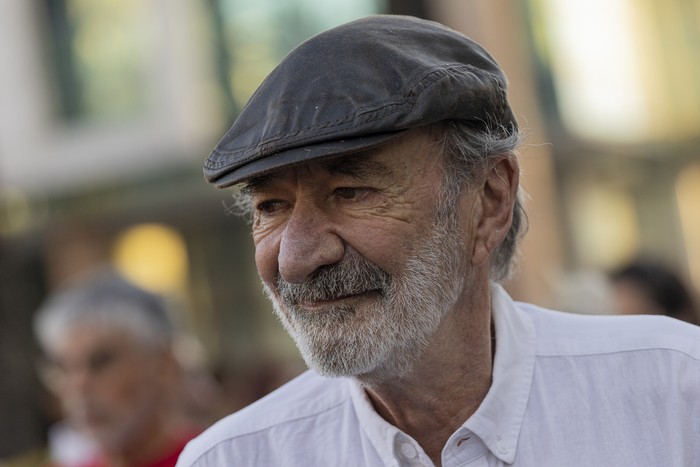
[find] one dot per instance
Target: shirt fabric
(567, 390)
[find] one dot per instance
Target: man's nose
(76, 379)
(310, 240)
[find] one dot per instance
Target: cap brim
(228, 176)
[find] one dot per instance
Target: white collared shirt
(568, 390)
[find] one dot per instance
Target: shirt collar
(498, 419)
(382, 434)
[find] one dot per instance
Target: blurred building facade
(108, 109)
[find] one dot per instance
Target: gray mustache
(352, 276)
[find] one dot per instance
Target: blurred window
(100, 52)
(622, 71)
(619, 82)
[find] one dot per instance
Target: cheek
(124, 393)
(125, 390)
(386, 246)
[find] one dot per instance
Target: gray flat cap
(355, 87)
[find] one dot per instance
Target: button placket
(408, 454)
(463, 448)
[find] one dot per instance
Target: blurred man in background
(110, 362)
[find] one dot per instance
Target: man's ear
(497, 194)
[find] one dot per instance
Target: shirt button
(502, 447)
(408, 450)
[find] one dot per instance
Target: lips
(90, 416)
(316, 303)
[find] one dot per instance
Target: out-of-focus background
(108, 108)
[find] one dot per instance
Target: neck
(448, 383)
(147, 448)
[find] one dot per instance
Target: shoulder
(302, 401)
(569, 334)
(624, 387)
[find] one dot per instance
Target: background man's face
(351, 252)
(108, 383)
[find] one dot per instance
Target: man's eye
(102, 360)
(351, 193)
(269, 206)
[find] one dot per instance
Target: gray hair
(105, 300)
(469, 152)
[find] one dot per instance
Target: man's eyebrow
(360, 167)
(250, 186)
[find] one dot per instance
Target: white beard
(381, 334)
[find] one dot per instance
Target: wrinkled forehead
(82, 334)
(412, 149)
(83, 339)
(358, 166)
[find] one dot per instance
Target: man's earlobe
(498, 193)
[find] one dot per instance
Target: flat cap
(356, 86)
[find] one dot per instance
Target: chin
(368, 371)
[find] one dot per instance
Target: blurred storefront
(620, 90)
(108, 109)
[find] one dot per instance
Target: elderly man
(110, 363)
(379, 161)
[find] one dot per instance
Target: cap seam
(376, 112)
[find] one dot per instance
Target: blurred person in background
(649, 287)
(110, 362)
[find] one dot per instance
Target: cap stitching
(360, 117)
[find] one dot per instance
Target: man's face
(108, 384)
(359, 267)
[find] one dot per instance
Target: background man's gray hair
(469, 152)
(106, 300)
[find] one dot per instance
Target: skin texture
(317, 215)
(116, 390)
